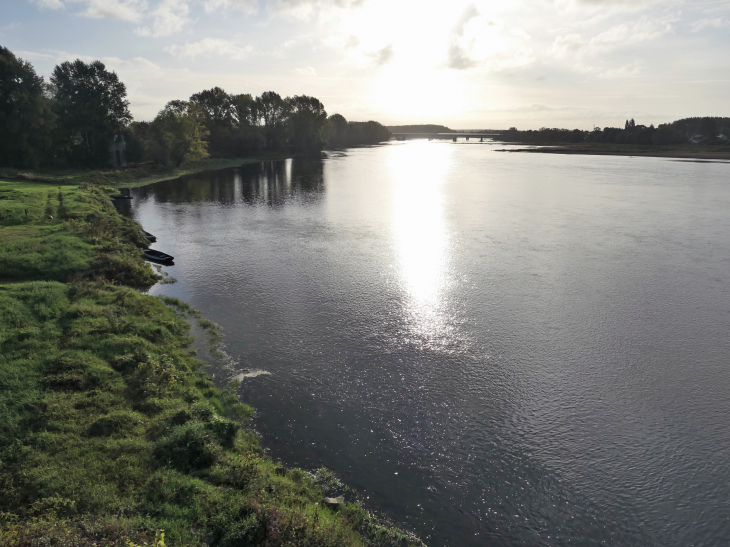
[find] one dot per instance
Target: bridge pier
(454, 139)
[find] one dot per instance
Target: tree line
(73, 119)
(706, 130)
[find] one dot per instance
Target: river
(495, 348)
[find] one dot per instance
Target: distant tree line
(426, 128)
(544, 134)
(76, 117)
(707, 130)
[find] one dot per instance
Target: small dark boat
(158, 256)
(119, 196)
(151, 238)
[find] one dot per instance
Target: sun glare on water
(419, 231)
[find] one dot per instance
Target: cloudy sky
(462, 63)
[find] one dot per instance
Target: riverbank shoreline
(113, 430)
(133, 176)
(682, 152)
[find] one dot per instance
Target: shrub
(189, 447)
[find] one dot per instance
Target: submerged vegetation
(112, 433)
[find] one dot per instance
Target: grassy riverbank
(132, 176)
(680, 151)
(111, 430)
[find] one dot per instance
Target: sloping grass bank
(56, 232)
(111, 431)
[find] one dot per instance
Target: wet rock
(335, 502)
(248, 373)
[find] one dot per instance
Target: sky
(461, 63)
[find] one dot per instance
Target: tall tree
(307, 119)
(273, 112)
(216, 104)
(91, 106)
(25, 115)
(244, 109)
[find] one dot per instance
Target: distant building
(118, 152)
(722, 138)
(695, 139)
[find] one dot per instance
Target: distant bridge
(452, 136)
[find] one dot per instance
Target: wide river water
(496, 348)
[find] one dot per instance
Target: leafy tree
(217, 106)
(307, 119)
(91, 106)
(273, 112)
(25, 115)
(244, 110)
(337, 131)
(178, 134)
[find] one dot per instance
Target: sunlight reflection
(420, 233)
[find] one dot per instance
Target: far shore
(680, 152)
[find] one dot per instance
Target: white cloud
(124, 10)
(48, 4)
(31, 55)
(487, 44)
(717, 22)
(517, 59)
(608, 7)
(616, 37)
(469, 13)
(628, 71)
(213, 5)
(211, 47)
(306, 71)
(170, 16)
(384, 55)
(521, 33)
(304, 9)
(458, 58)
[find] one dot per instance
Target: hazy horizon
(463, 64)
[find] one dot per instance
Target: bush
(190, 447)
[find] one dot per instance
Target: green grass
(111, 431)
(133, 176)
(85, 235)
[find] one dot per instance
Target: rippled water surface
(498, 349)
